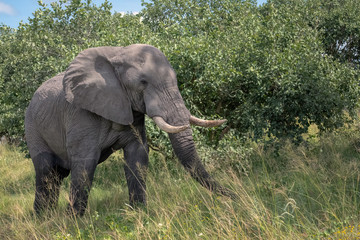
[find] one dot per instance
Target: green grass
(301, 192)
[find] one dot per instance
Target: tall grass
(300, 192)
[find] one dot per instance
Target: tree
(263, 68)
(339, 27)
(271, 70)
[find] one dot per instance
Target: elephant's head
(114, 81)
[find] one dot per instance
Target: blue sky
(13, 11)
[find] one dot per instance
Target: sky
(14, 11)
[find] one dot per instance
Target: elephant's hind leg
(48, 180)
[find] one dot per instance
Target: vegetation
(271, 70)
(287, 70)
(305, 192)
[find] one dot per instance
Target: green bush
(339, 28)
(267, 69)
(263, 68)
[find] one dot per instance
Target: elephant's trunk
(184, 148)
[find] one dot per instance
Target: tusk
(167, 127)
(205, 123)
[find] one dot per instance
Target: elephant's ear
(90, 82)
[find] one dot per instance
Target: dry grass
(303, 192)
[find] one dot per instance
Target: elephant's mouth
(163, 125)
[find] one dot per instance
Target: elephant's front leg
(82, 174)
(136, 157)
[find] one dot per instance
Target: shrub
(267, 69)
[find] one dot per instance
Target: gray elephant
(78, 118)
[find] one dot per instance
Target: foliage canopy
(270, 70)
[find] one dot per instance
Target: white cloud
(7, 9)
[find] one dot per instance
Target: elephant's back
(47, 100)
(50, 90)
(44, 123)
(44, 115)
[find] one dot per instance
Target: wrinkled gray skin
(78, 118)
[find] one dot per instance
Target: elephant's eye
(144, 83)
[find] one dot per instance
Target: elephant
(78, 118)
